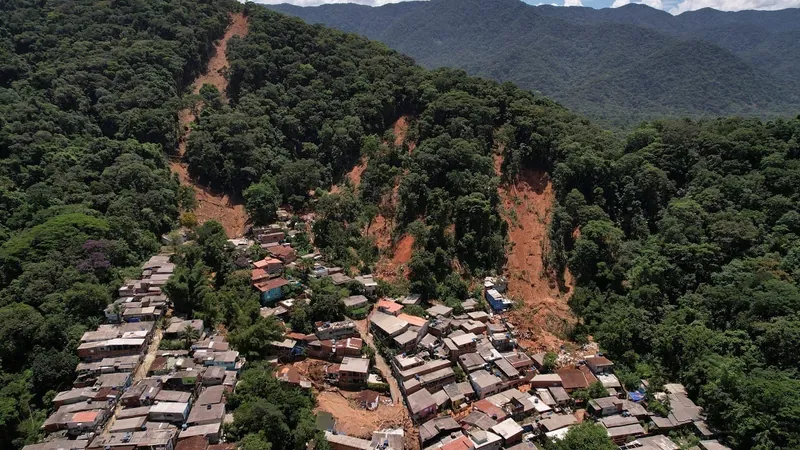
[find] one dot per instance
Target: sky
(671, 6)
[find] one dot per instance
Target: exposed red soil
(400, 130)
(355, 173)
(392, 259)
(544, 315)
(212, 205)
(353, 420)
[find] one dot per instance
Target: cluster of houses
(176, 401)
(468, 385)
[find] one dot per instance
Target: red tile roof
(462, 443)
(271, 284)
(490, 409)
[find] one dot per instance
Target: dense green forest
(687, 264)
(687, 259)
(89, 94)
(619, 66)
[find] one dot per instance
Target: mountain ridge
(574, 54)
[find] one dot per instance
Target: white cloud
(326, 2)
(657, 4)
(573, 3)
(734, 5)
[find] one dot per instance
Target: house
(336, 330)
(410, 299)
(127, 413)
(211, 396)
(497, 283)
(480, 316)
(435, 380)
(213, 376)
(174, 412)
(340, 278)
(624, 433)
(83, 395)
(560, 395)
(519, 360)
(471, 362)
(111, 348)
(270, 266)
(469, 305)
(509, 430)
(369, 284)
(353, 373)
(163, 439)
(497, 413)
(461, 344)
(457, 398)
(546, 380)
(210, 432)
(369, 399)
(132, 424)
(605, 406)
(484, 383)
(599, 364)
(282, 348)
(142, 393)
(497, 301)
(344, 442)
(440, 311)
(485, 440)
(58, 444)
(335, 350)
(473, 326)
(77, 418)
(271, 290)
(203, 415)
(177, 327)
(388, 307)
(435, 428)
(355, 302)
(572, 379)
(386, 327)
(421, 405)
(285, 253)
(557, 422)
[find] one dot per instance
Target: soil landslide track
(545, 315)
(212, 205)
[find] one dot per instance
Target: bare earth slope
(213, 205)
(544, 315)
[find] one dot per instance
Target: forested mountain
(617, 65)
(684, 237)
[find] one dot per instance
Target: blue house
(271, 290)
(497, 301)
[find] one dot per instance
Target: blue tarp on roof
(636, 396)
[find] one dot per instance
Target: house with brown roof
(285, 253)
(572, 379)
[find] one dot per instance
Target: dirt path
(141, 373)
(380, 363)
(211, 205)
(545, 315)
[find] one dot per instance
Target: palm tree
(190, 334)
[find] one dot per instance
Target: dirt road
(212, 205)
(380, 362)
(141, 372)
